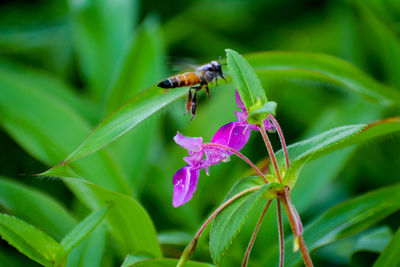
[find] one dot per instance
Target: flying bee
(202, 76)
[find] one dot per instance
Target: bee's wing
(180, 65)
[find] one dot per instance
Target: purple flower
(234, 135)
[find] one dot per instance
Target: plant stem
(240, 155)
(281, 137)
(295, 224)
(270, 151)
(281, 238)
(192, 245)
(254, 235)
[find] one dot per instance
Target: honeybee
(202, 76)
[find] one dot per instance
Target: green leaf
(142, 65)
(100, 31)
(300, 66)
(36, 207)
(89, 253)
(390, 255)
(29, 240)
(334, 139)
(228, 223)
(49, 136)
(125, 118)
(83, 229)
(343, 220)
(134, 260)
(246, 81)
(127, 220)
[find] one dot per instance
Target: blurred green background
(95, 55)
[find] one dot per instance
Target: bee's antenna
(219, 61)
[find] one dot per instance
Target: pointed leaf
(139, 260)
(228, 223)
(125, 118)
(127, 220)
(334, 139)
(29, 240)
(83, 229)
(35, 207)
(246, 81)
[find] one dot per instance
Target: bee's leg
(216, 80)
(188, 105)
(194, 102)
(207, 90)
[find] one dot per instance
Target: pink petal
(185, 184)
(190, 143)
(234, 135)
(239, 101)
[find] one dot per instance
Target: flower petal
(190, 143)
(185, 184)
(269, 126)
(239, 101)
(234, 135)
(194, 158)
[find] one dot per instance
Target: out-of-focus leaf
(48, 127)
(89, 253)
(127, 220)
(53, 87)
(343, 220)
(374, 240)
(133, 260)
(83, 229)
(322, 68)
(174, 238)
(100, 31)
(247, 82)
(125, 118)
(228, 223)
(142, 65)
(384, 41)
(36, 207)
(334, 139)
(390, 255)
(29, 240)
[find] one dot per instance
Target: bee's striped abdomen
(185, 79)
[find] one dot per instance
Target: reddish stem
(190, 248)
(281, 137)
(281, 238)
(240, 155)
(270, 151)
(295, 224)
(255, 232)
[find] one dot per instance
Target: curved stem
(281, 137)
(254, 235)
(281, 238)
(240, 155)
(295, 224)
(270, 151)
(192, 245)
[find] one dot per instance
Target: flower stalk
(254, 235)
(270, 151)
(281, 237)
(192, 245)
(296, 225)
(281, 137)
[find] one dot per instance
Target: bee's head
(217, 67)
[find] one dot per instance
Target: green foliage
(83, 229)
(229, 221)
(332, 67)
(29, 240)
(389, 256)
(332, 140)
